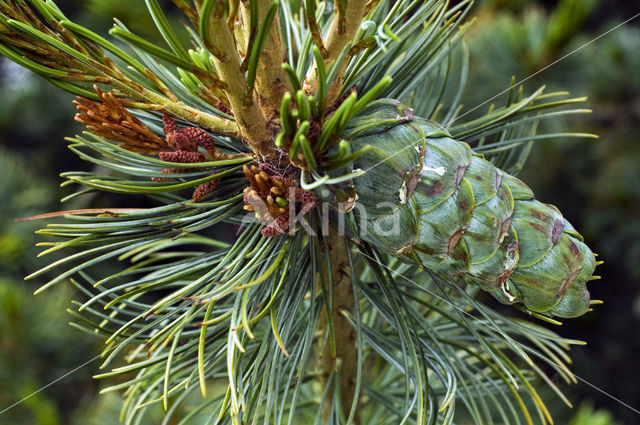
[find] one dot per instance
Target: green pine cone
(428, 196)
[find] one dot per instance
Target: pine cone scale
(473, 220)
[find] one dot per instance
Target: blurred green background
(595, 183)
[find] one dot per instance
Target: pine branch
(137, 92)
(72, 56)
(271, 80)
(339, 354)
(345, 25)
(219, 40)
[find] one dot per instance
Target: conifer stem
(344, 359)
(252, 124)
(345, 25)
(179, 109)
(271, 80)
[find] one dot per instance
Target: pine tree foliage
(307, 326)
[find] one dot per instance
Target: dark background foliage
(595, 183)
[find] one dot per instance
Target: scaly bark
(347, 18)
(345, 336)
(253, 126)
(271, 80)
